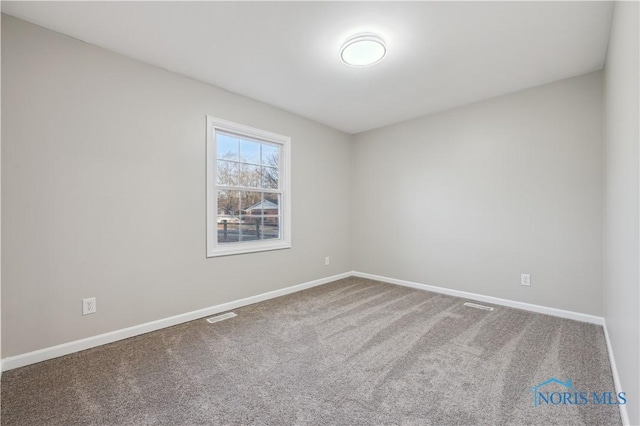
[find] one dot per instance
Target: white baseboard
(102, 339)
(616, 378)
(113, 336)
(488, 299)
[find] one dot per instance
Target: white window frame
(214, 248)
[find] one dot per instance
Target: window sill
(243, 248)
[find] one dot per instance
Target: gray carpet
(353, 352)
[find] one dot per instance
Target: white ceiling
(440, 54)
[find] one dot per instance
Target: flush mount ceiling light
(362, 50)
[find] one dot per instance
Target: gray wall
(103, 186)
(621, 279)
(103, 195)
(470, 198)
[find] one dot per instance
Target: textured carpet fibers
(353, 352)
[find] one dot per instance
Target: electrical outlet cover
(89, 306)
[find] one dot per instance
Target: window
(248, 198)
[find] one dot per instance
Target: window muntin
(247, 189)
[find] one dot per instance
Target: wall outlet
(525, 279)
(327, 261)
(89, 306)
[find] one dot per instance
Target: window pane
(251, 203)
(270, 177)
(270, 227)
(249, 152)
(250, 176)
(251, 228)
(228, 216)
(228, 205)
(270, 155)
(271, 204)
(227, 146)
(227, 173)
(228, 231)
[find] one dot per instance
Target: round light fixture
(362, 50)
